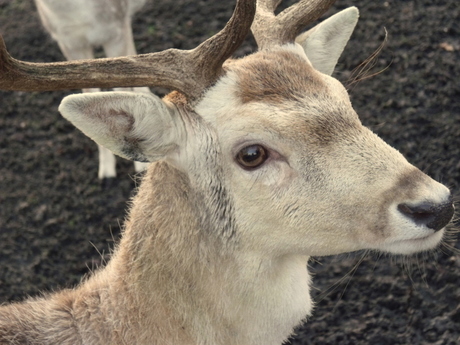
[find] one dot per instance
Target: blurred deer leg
(107, 161)
(124, 46)
(140, 166)
(74, 50)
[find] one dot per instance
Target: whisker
(362, 71)
(337, 284)
(351, 274)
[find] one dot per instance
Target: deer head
(272, 135)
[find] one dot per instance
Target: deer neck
(170, 262)
(172, 281)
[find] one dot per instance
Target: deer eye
(251, 157)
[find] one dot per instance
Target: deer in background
(257, 164)
(78, 26)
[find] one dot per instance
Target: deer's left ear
(325, 42)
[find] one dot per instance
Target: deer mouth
(411, 245)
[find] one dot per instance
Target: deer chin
(423, 239)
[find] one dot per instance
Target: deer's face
(304, 173)
(277, 154)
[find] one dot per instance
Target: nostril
(432, 215)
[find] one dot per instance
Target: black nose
(432, 215)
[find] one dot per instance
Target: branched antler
(189, 72)
(270, 29)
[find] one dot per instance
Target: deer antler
(189, 72)
(270, 29)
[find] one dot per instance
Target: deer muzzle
(433, 215)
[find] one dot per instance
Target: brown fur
(81, 316)
(268, 78)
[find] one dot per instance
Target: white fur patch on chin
(413, 245)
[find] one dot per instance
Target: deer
(257, 164)
(78, 26)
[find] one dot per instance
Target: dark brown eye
(252, 157)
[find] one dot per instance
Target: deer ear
(136, 126)
(325, 42)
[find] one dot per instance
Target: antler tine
(270, 29)
(222, 45)
(189, 72)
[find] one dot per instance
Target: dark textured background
(56, 218)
